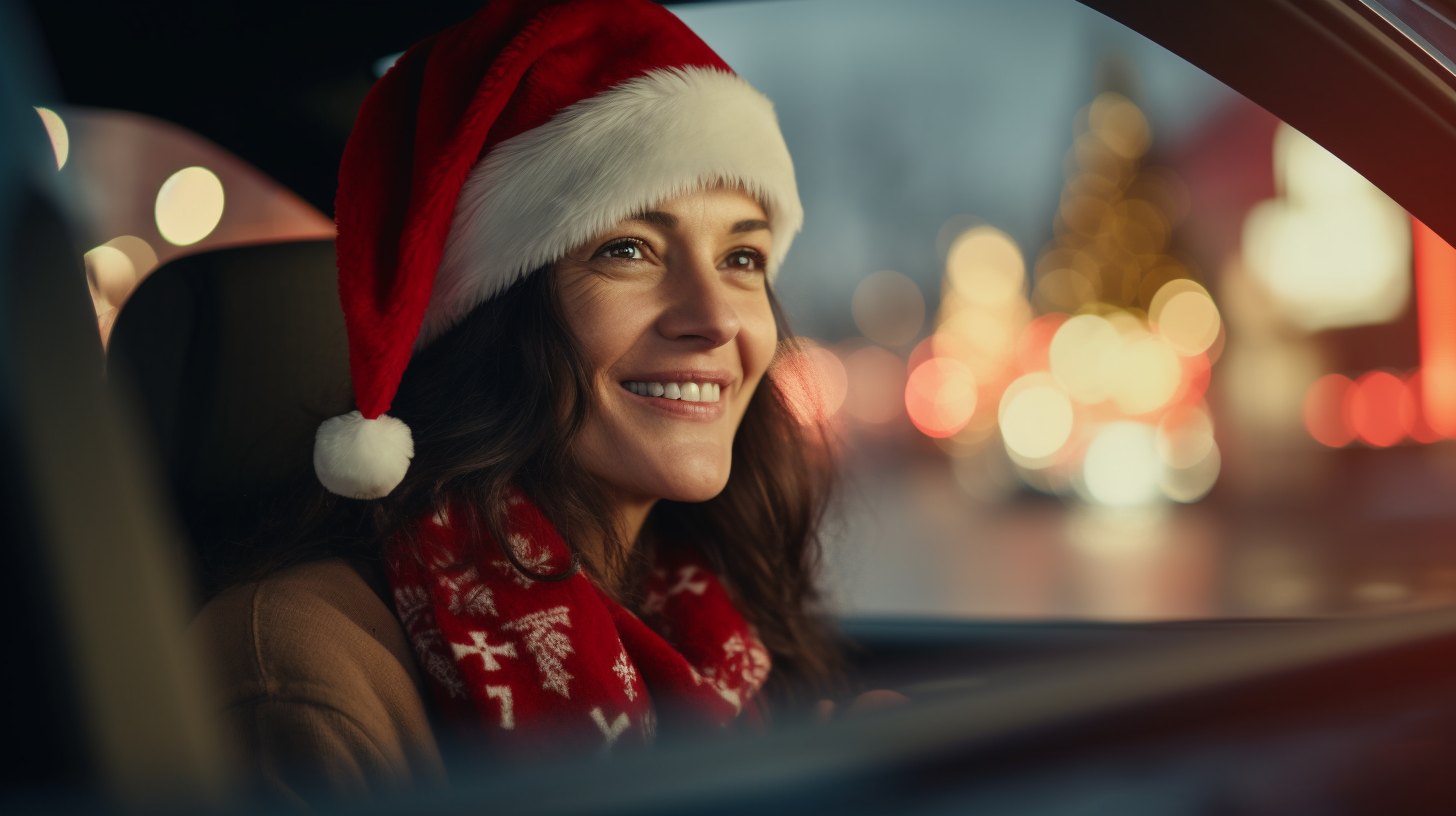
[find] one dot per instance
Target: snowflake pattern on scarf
(546, 667)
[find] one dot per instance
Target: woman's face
(671, 309)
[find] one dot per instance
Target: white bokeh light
(1121, 467)
(189, 205)
(1333, 251)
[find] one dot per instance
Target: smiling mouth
(685, 391)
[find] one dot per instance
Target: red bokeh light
(1378, 409)
(1036, 340)
(1195, 377)
(940, 396)
(1324, 411)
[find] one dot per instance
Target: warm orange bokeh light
(1435, 263)
(1324, 411)
(1378, 409)
(1419, 429)
(940, 396)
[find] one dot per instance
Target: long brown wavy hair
(501, 400)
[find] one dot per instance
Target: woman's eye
(745, 260)
(622, 251)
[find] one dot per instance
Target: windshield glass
(1099, 337)
(1102, 338)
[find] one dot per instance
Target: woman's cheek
(610, 325)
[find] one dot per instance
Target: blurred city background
(1096, 336)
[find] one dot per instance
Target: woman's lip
(716, 377)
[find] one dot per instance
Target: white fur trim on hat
(362, 458)
(538, 195)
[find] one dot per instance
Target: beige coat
(318, 684)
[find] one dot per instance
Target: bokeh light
(1183, 312)
(876, 383)
(111, 275)
(941, 344)
(143, 257)
(1148, 377)
(1196, 374)
(1120, 125)
(1066, 289)
(1185, 436)
(1189, 484)
(189, 205)
(985, 267)
(989, 335)
(1036, 419)
(1378, 409)
(983, 311)
(59, 136)
(1093, 376)
(811, 381)
(1033, 347)
(1121, 467)
(1324, 411)
(1084, 357)
(1435, 262)
(940, 396)
(1333, 251)
(888, 308)
(1419, 429)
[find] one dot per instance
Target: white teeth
(687, 391)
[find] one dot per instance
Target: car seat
(234, 357)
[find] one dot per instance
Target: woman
(587, 513)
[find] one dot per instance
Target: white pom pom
(362, 458)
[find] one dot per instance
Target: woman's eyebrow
(660, 219)
(751, 225)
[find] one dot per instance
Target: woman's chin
(687, 485)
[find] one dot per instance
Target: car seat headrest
(235, 355)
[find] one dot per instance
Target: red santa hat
(490, 150)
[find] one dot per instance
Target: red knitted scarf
(552, 666)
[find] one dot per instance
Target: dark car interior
(1245, 716)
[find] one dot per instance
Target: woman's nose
(698, 306)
